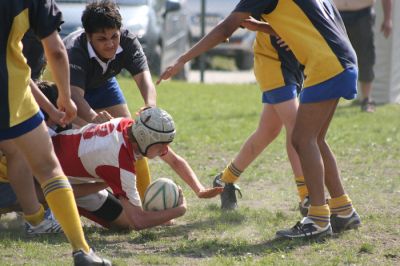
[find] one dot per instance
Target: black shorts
(359, 26)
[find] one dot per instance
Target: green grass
(212, 123)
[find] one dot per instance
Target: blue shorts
(109, 94)
(7, 195)
(21, 129)
(343, 85)
(279, 95)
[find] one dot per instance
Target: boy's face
(105, 43)
(157, 150)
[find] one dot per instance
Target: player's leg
(143, 178)
(21, 185)
(103, 208)
(119, 110)
(268, 129)
(312, 118)
(108, 97)
(55, 185)
(287, 112)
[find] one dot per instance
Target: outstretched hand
(171, 71)
(207, 193)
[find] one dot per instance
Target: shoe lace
(304, 229)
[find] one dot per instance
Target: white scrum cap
(153, 125)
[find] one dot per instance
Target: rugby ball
(162, 194)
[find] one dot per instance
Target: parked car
(161, 26)
(240, 45)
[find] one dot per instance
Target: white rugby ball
(162, 194)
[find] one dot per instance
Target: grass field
(212, 123)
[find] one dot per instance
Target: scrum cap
(153, 125)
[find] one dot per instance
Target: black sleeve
(255, 7)
(78, 65)
(135, 60)
(45, 18)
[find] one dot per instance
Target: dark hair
(49, 89)
(100, 15)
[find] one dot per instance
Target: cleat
(82, 258)
(228, 195)
(304, 205)
(342, 223)
(49, 225)
(305, 229)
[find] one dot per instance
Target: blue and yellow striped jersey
(314, 32)
(16, 17)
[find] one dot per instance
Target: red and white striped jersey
(100, 153)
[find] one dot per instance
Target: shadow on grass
(227, 218)
(212, 248)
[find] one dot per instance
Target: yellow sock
(36, 218)
(301, 187)
(59, 196)
(230, 174)
(143, 177)
(341, 205)
(319, 214)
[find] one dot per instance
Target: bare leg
(21, 178)
(287, 112)
(268, 129)
(366, 89)
(119, 110)
(312, 120)
(332, 176)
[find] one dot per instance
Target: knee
(299, 141)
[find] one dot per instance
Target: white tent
(387, 68)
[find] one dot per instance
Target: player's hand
(207, 193)
(282, 44)
(182, 201)
(250, 24)
(67, 106)
(56, 116)
(102, 117)
(171, 71)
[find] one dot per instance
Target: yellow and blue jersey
(17, 104)
(314, 32)
(274, 67)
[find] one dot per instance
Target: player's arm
(183, 169)
(57, 58)
(387, 24)
(255, 25)
(147, 90)
(218, 34)
(140, 219)
(44, 103)
(85, 112)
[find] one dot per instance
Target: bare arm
(84, 110)
(183, 169)
(256, 25)
(58, 61)
(219, 34)
(145, 84)
(387, 24)
(44, 103)
(140, 219)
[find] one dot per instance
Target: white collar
(92, 54)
